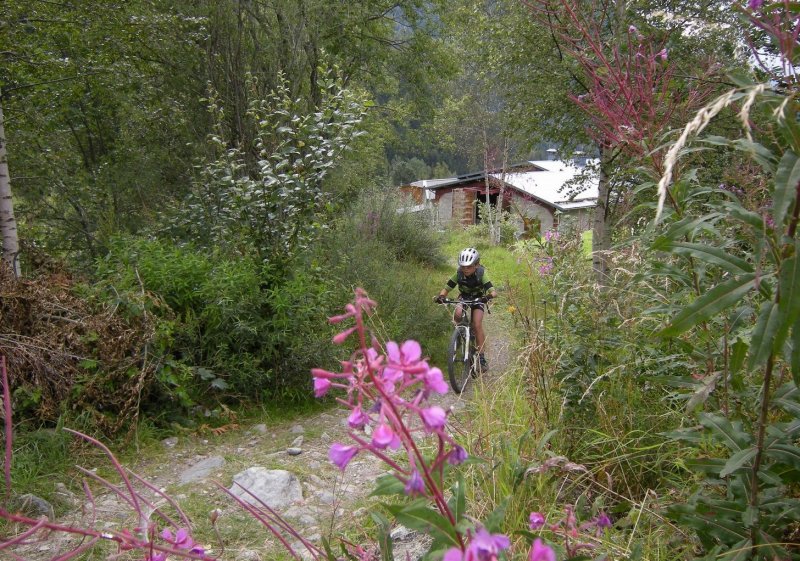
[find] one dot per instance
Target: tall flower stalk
(390, 391)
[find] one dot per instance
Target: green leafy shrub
(230, 327)
(382, 215)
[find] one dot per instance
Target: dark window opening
(481, 198)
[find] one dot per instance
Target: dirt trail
(333, 501)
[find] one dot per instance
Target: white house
(547, 193)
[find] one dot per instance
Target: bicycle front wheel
(459, 360)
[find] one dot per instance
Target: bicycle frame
(462, 331)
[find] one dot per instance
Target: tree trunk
(487, 208)
(8, 224)
(501, 195)
(601, 231)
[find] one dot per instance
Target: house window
(481, 198)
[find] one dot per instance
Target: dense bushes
(70, 356)
(202, 326)
(602, 365)
(229, 324)
(230, 327)
(389, 253)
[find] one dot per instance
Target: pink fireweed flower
(341, 454)
(350, 312)
(405, 358)
(392, 375)
(536, 520)
(603, 521)
(485, 546)
(453, 554)
(321, 386)
(551, 235)
(357, 419)
(321, 373)
(433, 418)
(409, 353)
(571, 522)
(755, 4)
(363, 301)
(182, 540)
(662, 54)
(456, 456)
(414, 485)
(384, 436)
(541, 552)
(434, 381)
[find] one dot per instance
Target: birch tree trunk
(501, 195)
(8, 224)
(601, 235)
(487, 208)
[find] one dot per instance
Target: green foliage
(602, 366)
(270, 197)
(40, 458)
(389, 253)
(490, 217)
(731, 272)
(228, 327)
(109, 140)
(407, 171)
(383, 215)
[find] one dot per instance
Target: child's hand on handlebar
(439, 299)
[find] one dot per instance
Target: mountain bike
(462, 355)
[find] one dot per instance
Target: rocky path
(313, 494)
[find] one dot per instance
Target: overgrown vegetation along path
(190, 467)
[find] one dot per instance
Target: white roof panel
(549, 185)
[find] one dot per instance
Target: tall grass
(572, 422)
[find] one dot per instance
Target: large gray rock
(277, 488)
(202, 469)
(34, 506)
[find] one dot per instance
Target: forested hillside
(189, 189)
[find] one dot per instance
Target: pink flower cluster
(388, 390)
(569, 529)
(484, 546)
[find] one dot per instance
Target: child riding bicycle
(473, 284)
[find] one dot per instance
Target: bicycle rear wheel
(459, 362)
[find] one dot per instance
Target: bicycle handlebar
(468, 302)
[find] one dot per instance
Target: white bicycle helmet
(468, 257)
